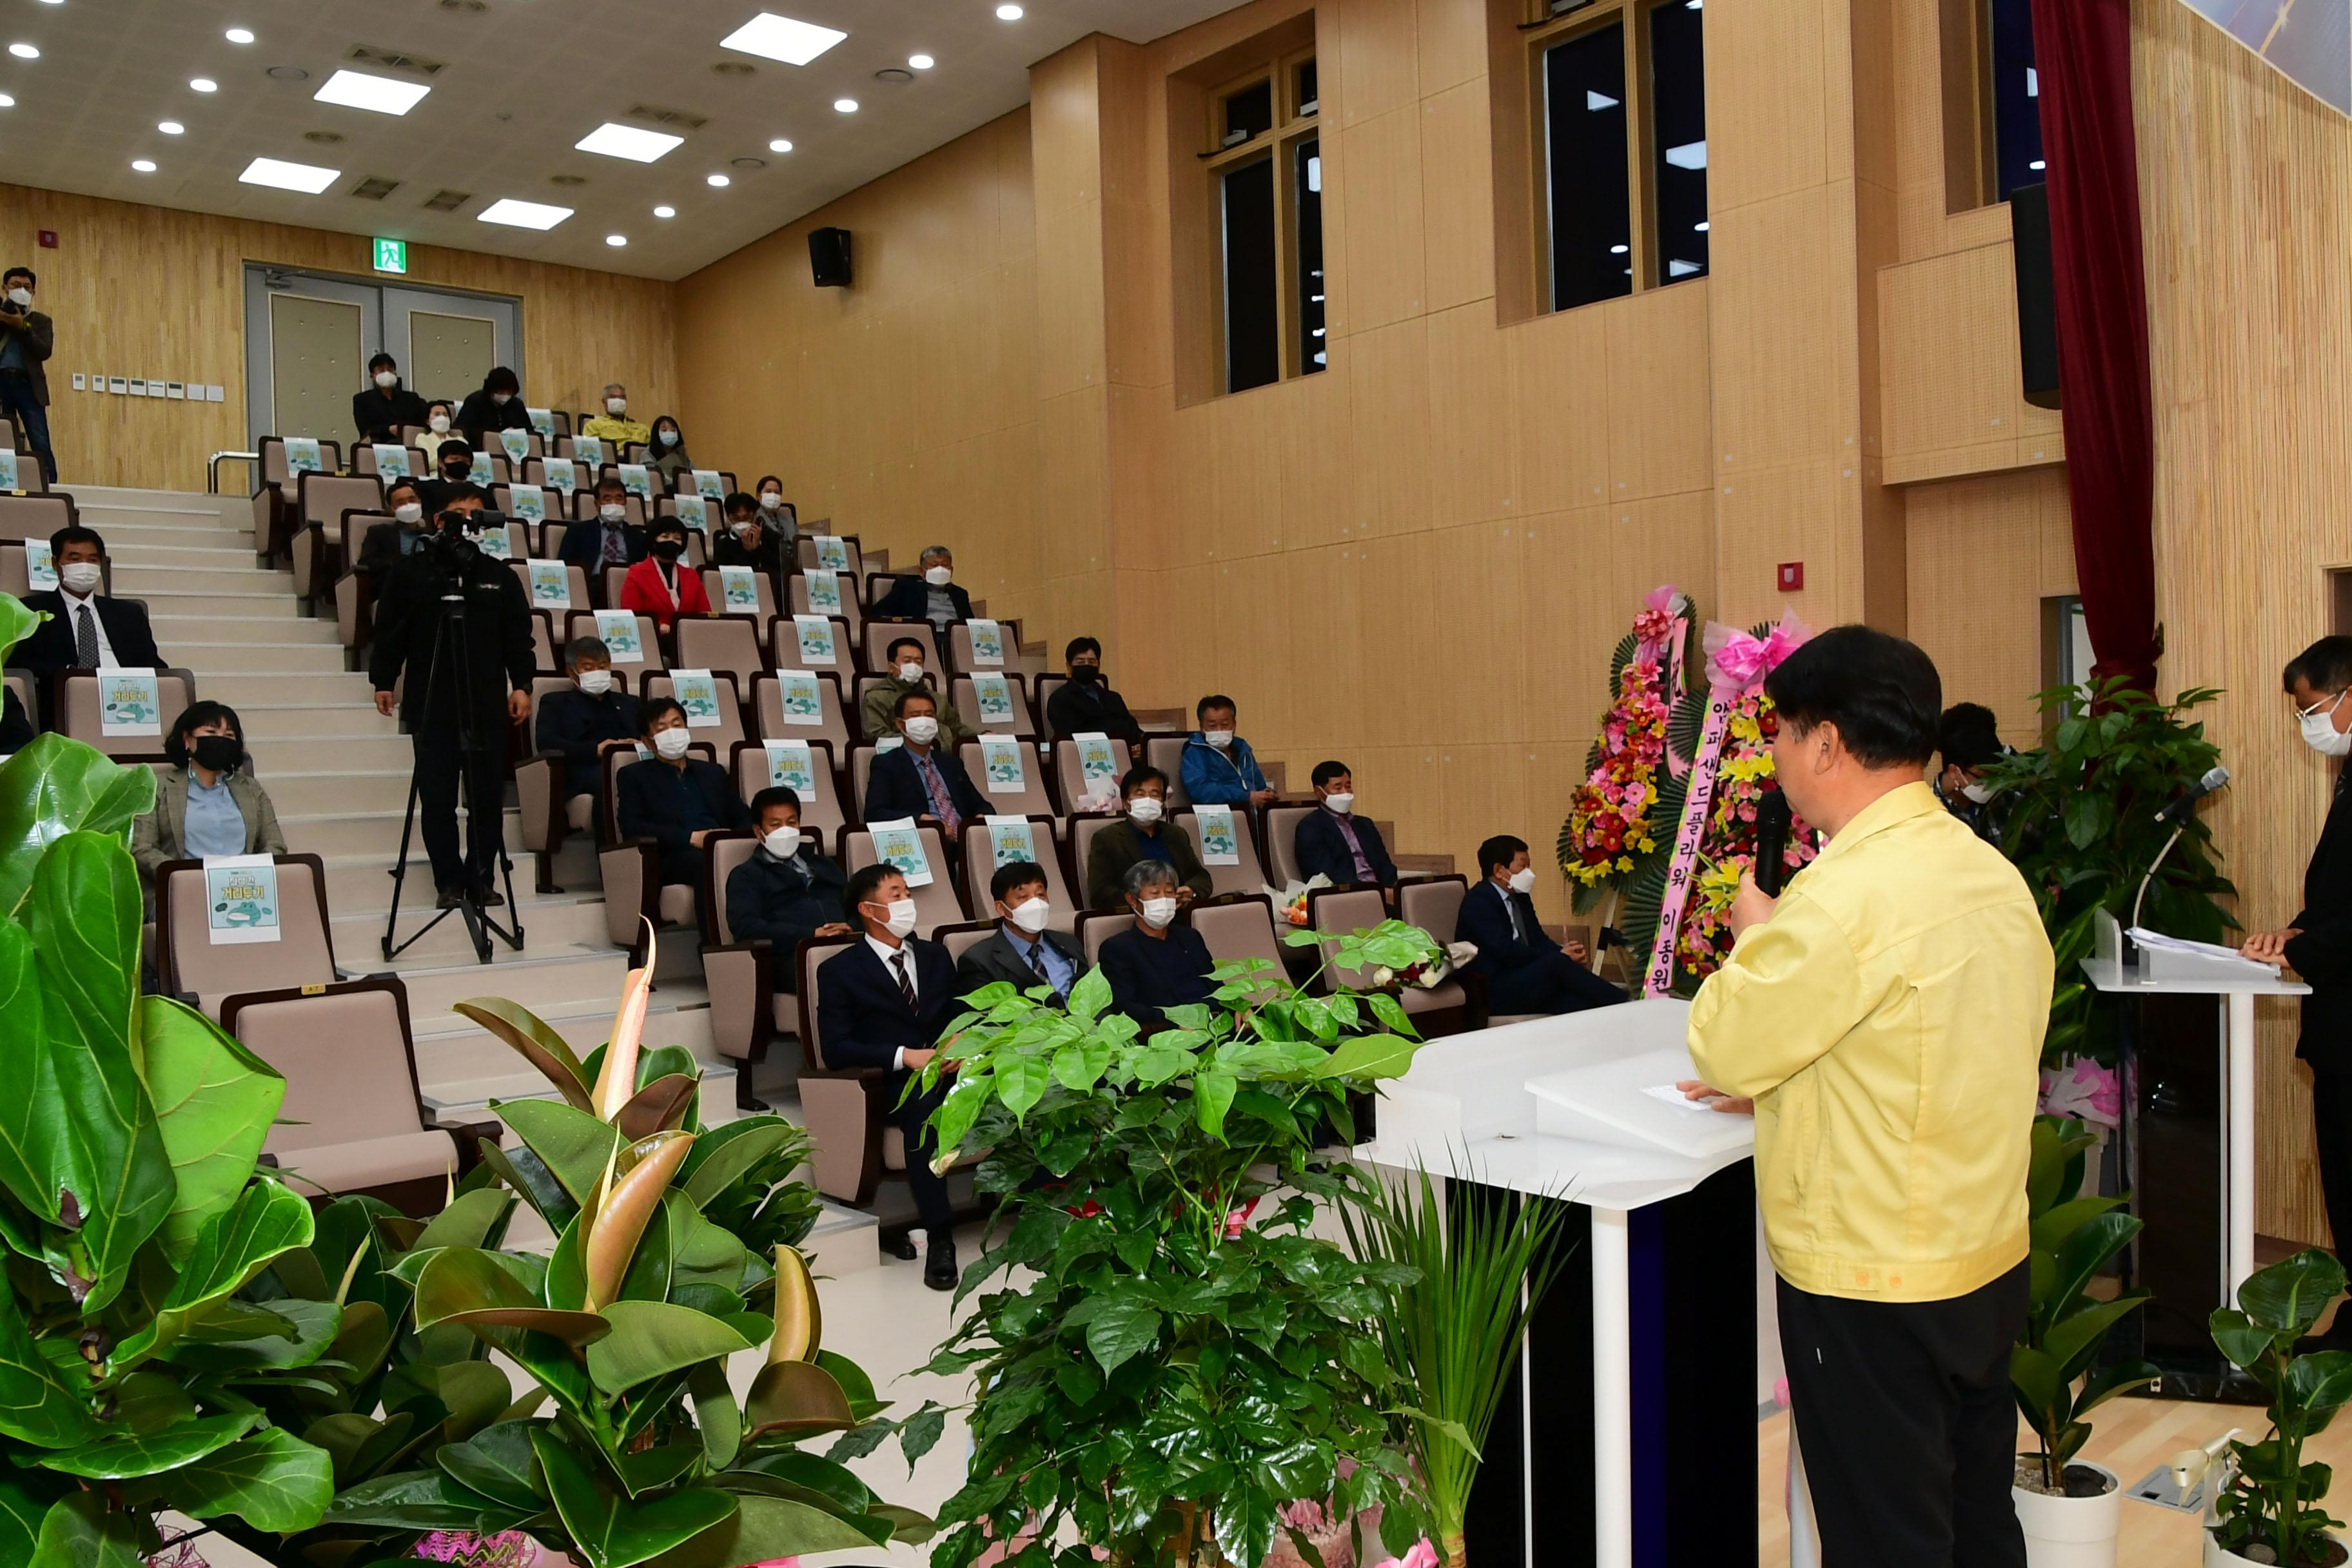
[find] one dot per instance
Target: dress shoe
(939, 1272)
(485, 896)
(449, 898)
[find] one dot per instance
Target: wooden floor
(2130, 1436)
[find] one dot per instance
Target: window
(2013, 93)
(1265, 167)
(1621, 155)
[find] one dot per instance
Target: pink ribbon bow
(1738, 661)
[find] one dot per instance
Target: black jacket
(408, 612)
(2323, 953)
(992, 959)
(51, 648)
(380, 415)
(782, 903)
(767, 556)
(379, 548)
(40, 342)
(1483, 921)
(583, 546)
(1321, 846)
(653, 808)
(862, 1017)
(895, 789)
(15, 728)
(909, 599)
(1076, 710)
(575, 724)
(478, 416)
(1147, 976)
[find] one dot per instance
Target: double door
(308, 338)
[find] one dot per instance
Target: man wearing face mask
(385, 407)
(882, 1003)
(1146, 834)
(497, 407)
(1085, 705)
(1024, 951)
(878, 709)
(453, 461)
(746, 541)
(936, 598)
(1526, 971)
(1220, 769)
(606, 539)
(676, 799)
(27, 338)
(1156, 964)
(786, 893)
(2318, 942)
(1337, 843)
(86, 629)
(585, 721)
(385, 544)
(923, 779)
(663, 586)
(614, 424)
(1967, 741)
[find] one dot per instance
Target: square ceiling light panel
(627, 141)
(384, 94)
(775, 38)
(523, 214)
(307, 178)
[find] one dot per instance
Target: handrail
(212, 468)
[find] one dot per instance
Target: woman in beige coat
(206, 800)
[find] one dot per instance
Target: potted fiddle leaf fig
(2269, 1510)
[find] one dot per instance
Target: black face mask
(457, 471)
(1084, 674)
(668, 549)
(218, 752)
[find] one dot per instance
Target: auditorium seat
(812, 532)
(582, 623)
(1249, 876)
(821, 808)
(964, 693)
(631, 867)
(363, 459)
(1041, 692)
(1069, 774)
(1031, 799)
(729, 729)
(79, 714)
(535, 472)
(797, 597)
(713, 588)
(728, 643)
(768, 712)
(1082, 828)
(785, 652)
(585, 505)
(575, 588)
(979, 867)
(962, 658)
(1341, 911)
(35, 517)
(747, 1009)
(549, 816)
(1241, 927)
(189, 963)
(1096, 927)
(880, 634)
(1166, 752)
(936, 903)
(1282, 844)
(20, 681)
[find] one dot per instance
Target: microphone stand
(2141, 897)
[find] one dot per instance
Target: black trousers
(440, 764)
(1909, 1434)
(2331, 1127)
(931, 1192)
(1553, 983)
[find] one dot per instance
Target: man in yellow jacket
(1886, 1015)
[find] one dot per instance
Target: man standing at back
(1886, 1013)
(26, 339)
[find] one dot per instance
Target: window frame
(1279, 145)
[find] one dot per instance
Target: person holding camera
(27, 338)
(453, 627)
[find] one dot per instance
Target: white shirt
(890, 957)
(106, 660)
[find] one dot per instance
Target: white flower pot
(2216, 1558)
(2072, 1532)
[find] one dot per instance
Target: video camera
(448, 540)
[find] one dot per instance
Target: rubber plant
(673, 1252)
(132, 1215)
(1173, 1356)
(2273, 1496)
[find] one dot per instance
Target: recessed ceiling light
(6, 102)
(382, 94)
(240, 35)
(25, 52)
(921, 62)
(664, 212)
(203, 84)
(719, 180)
(171, 128)
(845, 106)
(775, 38)
(144, 166)
(780, 145)
(1619, 249)
(307, 178)
(52, 2)
(616, 240)
(287, 73)
(522, 215)
(627, 141)
(1008, 13)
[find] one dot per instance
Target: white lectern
(1661, 1344)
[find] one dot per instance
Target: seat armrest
(632, 876)
(266, 1161)
(1476, 1003)
(741, 981)
(469, 1137)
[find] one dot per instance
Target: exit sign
(392, 256)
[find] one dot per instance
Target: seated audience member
(1022, 950)
(779, 517)
(1967, 741)
(1145, 833)
(615, 425)
(1526, 971)
(1339, 843)
(674, 799)
(206, 801)
(453, 462)
(86, 629)
(587, 718)
(1156, 963)
(745, 541)
(1085, 705)
(15, 724)
(605, 539)
(786, 893)
(385, 542)
(386, 406)
(879, 709)
(936, 598)
(923, 779)
(663, 586)
(1220, 769)
(441, 420)
(497, 407)
(883, 1003)
(666, 453)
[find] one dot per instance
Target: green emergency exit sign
(392, 256)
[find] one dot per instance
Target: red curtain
(2083, 53)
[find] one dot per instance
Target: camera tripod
(454, 656)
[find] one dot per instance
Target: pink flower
(1423, 1555)
(1238, 1220)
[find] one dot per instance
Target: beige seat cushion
(369, 1162)
(677, 904)
(579, 811)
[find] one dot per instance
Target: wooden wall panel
(1381, 247)
(1983, 554)
(1458, 197)
(1769, 99)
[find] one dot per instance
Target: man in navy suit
(882, 1003)
(918, 779)
(606, 539)
(1337, 843)
(676, 799)
(1526, 971)
(935, 597)
(86, 629)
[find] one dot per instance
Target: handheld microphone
(2180, 810)
(1773, 819)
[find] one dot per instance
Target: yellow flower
(1624, 863)
(1646, 845)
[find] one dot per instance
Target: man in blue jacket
(1220, 769)
(1526, 971)
(1337, 843)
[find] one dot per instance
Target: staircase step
(320, 793)
(280, 605)
(534, 980)
(554, 923)
(278, 657)
(361, 879)
(288, 721)
(135, 581)
(123, 497)
(238, 686)
(225, 552)
(458, 1062)
(370, 833)
(358, 753)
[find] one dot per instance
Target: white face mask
(902, 918)
(664, 438)
(595, 682)
(1343, 803)
(613, 511)
(2319, 732)
(939, 576)
(81, 576)
(1031, 915)
(387, 380)
(409, 513)
(21, 297)
(672, 742)
(923, 729)
(1977, 793)
(1220, 739)
(1157, 913)
(1523, 880)
(617, 405)
(770, 500)
(501, 398)
(783, 843)
(1143, 808)
(912, 673)
(439, 424)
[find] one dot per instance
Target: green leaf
(1089, 996)
(79, 1532)
(526, 1173)
(540, 1046)
(764, 1528)
(36, 1406)
(497, 1463)
(723, 1155)
(716, 1413)
(1021, 1083)
(2237, 1336)
(652, 1338)
(233, 1247)
(213, 1103)
(315, 1326)
(796, 1398)
(54, 787)
(1212, 1096)
(273, 1480)
(2320, 1383)
(614, 1533)
(471, 1219)
(573, 1143)
(1079, 1065)
(1121, 1328)
(2294, 1291)
(23, 1501)
(120, 1458)
(466, 1285)
(1368, 1057)
(420, 1499)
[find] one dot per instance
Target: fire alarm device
(48, 240)
(1792, 576)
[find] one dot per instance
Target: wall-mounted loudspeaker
(2037, 297)
(829, 256)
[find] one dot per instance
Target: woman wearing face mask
(206, 802)
(779, 517)
(676, 800)
(666, 453)
(1157, 963)
(663, 586)
(386, 406)
(440, 424)
(1526, 971)
(497, 407)
(385, 542)
(746, 541)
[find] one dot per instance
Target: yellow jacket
(620, 432)
(1888, 1021)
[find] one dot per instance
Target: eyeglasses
(2324, 705)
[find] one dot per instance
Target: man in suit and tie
(882, 1003)
(86, 629)
(1526, 971)
(605, 539)
(1337, 843)
(920, 779)
(1022, 950)
(936, 597)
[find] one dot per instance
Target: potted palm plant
(2069, 1509)
(2270, 1512)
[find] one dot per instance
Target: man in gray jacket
(27, 338)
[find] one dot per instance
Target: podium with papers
(1631, 1436)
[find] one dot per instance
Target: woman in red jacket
(662, 585)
